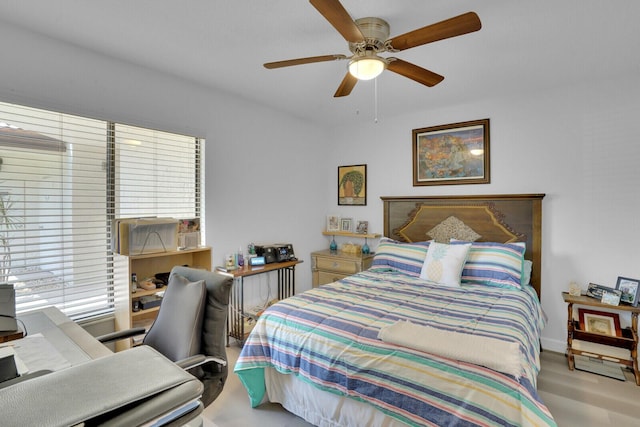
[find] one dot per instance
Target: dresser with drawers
(328, 266)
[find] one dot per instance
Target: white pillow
(526, 271)
(444, 263)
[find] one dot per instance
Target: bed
(442, 330)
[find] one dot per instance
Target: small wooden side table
(6, 336)
(237, 315)
(628, 341)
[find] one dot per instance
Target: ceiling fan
(368, 37)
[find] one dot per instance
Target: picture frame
(596, 291)
(352, 185)
(333, 223)
(600, 322)
(346, 225)
(362, 227)
(611, 297)
(456, 153)
(630, 290)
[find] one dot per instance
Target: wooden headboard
(496, 218)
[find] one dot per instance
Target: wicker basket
(351, 248)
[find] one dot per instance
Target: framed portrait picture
(456, 153)
(362, 227)
(600, 322)
(629, 290)
(346, 224)
(333, 223)
(352, 185)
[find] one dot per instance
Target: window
(63, 179)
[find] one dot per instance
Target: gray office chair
(191, 325)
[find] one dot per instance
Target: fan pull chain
(375, 100)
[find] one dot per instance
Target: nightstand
(327, 266)
(622, 350)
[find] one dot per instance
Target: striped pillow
(495, 264)
(407, 258)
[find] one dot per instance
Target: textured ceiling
(523, 47)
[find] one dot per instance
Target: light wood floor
(575, 398)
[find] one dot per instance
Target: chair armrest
(130, 388)
(120, 335)
(24, 377)
(199, 359)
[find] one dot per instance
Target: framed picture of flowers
(352, 185)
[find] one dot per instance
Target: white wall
(579, 145)
(271, 177)
(265, 171)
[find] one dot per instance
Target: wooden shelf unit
(145, 266)
(349, 234)
(601, 342)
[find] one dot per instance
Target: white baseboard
(553, 345)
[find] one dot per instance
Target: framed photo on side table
(600, 322)
(629, 289)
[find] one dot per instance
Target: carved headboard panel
(496, 218)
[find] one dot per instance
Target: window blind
(156, 175)
(63, 179)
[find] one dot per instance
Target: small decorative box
(351, 248)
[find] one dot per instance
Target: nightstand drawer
(338, 265)
(327, 277)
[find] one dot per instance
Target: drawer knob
(335, 264)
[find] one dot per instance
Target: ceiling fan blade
(456, 26)
(346, 86)
(300, 61)
(418, 74)
(337, 15)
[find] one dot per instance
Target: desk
(237, 316)
(50, 328)
(135, 387)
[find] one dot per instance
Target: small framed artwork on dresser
(333, 223)
(346, 224)
(363, 227)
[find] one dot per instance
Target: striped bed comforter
(328, 337)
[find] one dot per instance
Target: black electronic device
(268, 252)
(284, 252)
(276, 252)
(256, 261)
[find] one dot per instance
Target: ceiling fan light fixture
(367, 67)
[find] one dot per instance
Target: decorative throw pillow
(453, 228)
(407, 258)
(443, 263)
